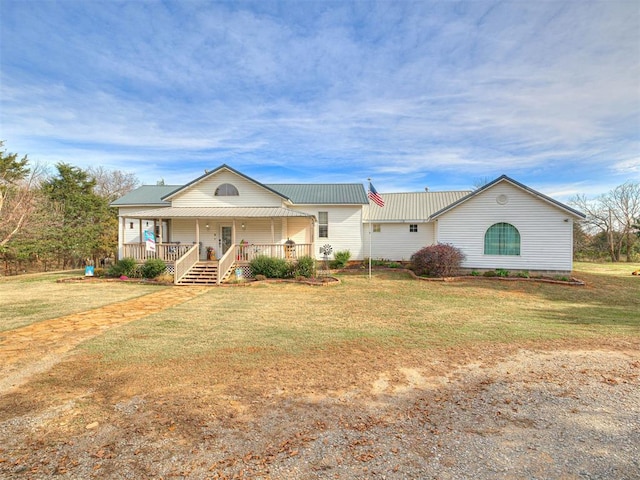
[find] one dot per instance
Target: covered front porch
(223, 238)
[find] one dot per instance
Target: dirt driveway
(555, 411)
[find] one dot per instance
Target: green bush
(271, 267)
(490, 273)
(340, 259)
(152, 268)
(475, 273)
(306, 267)
(523, 274)
(394, 265)
(441, 260)
(501, 272)
(126, 267)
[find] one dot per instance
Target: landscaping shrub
(501, 272)
(340, 259)
(125, 267)
(439, 260)
(270, 267)
(306, 267)
(490, 273)
(153, 268)
(523, 274)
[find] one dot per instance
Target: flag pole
(370, 235)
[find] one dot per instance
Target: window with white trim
(323, 224)
(502, 239)
(376, 228)
(413, 228)
(226, 190)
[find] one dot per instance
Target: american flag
(374, 196)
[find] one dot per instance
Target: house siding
(203, 194)
(546, 231)
(345, 227)
(395, 242)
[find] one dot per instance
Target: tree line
(63, 219)
(57, 220)
(611, 229)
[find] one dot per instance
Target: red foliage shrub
(441, 260)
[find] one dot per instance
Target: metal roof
(145, 195)
(410, 207)
(219, 212)
(322, 193)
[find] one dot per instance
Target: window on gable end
(502, 239)
(413, 228)
(226, 190)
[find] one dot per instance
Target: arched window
(502, 239)
(226, 190)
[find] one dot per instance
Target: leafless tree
(614, 214)
(112, 184)
(18, 193)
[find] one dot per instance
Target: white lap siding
(203, 193)
(546, 231)
(395, 242)
(345, 227)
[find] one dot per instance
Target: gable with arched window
(502, 239)
(226, 190)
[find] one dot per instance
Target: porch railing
(169, 252)
(184, 263)
(247, 252)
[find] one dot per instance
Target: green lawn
(391, 311)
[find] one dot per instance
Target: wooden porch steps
(202, 273)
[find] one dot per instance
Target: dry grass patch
(33, 298)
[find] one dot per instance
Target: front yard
(382, 378)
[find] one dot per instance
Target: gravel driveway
(535, 414)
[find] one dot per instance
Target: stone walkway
(35, 348)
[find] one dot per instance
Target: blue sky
(412, 94)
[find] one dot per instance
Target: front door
(225, 239)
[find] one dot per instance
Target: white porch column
(273, 231)
(122, 229)
(233, 232)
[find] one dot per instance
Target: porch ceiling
(219, 212)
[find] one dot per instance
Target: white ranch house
(220, 221)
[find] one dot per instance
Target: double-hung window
(323, 224)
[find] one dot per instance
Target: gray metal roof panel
(145, 195)
(322, 193)
(405, 207)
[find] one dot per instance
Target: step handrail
(226, 262)
(185, 262)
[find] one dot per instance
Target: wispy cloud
(436, 92)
